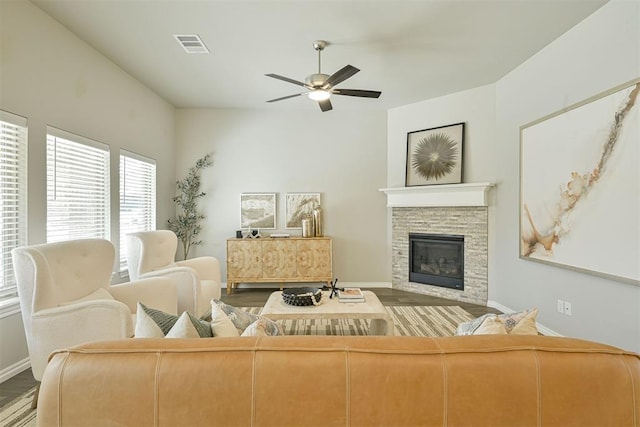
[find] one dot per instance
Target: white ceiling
(409, 50)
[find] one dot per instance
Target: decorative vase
(317, 221)
(307, 227)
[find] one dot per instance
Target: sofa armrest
(157, 292)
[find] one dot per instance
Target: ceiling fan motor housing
(316, 80)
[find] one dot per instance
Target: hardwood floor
(256, 297)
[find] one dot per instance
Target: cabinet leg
(229, 288)
(281, 286)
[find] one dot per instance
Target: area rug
(422, 321)
(18, 413)
(419, 321)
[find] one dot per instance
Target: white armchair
(152, 254)
(66, 297)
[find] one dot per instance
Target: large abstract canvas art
(580, 186)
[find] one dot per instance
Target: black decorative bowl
(302, 296)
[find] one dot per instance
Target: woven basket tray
(302, 296)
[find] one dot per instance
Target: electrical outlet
(560, 306)
(567, 308)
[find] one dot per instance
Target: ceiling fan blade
(325, 105)
(286, 79)
(286, 97)
(339, 76)
(357, 92)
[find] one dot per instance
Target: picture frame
(434, 155)
(258, 210)
(299, 206)
(580, 186)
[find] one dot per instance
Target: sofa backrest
(343, 381)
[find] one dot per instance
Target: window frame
(151, 220)
(9, 293)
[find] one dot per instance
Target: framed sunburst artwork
(434, 156)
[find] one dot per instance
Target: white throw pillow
(146, 327)
(183, 328)
(256, 329)
(221, 325)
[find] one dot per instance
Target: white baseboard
(541, 328)
(15, 369)
(340, 284)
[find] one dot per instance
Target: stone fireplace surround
(442, 209)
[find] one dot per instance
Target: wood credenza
(278, 260)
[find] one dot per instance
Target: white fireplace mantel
(467, 194)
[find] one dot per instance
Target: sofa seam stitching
(61, 380)
(445, 400)
(538, 389)
(348, 388)
(156, 391)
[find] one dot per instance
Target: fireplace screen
(437, 259)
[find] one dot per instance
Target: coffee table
(381, 322)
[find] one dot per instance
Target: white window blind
(13, 195)
(137, 198)
(77, 187)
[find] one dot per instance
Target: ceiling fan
(320, 86)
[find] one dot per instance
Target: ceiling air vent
(191, 44)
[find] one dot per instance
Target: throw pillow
(242, 319)
(468, 328)
(163, 321)
(184, 328)
(98, 294)
(510, 320)
(492, 325)
(527, 325)
(256, 329)
(221, 325)
(152, 323)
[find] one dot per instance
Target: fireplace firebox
(437, 259)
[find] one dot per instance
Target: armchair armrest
(156, 292)
(187, 283)
(73, 324)
(208, 267)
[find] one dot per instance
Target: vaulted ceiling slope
(409, 50)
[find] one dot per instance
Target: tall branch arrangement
(186, 225)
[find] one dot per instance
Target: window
(77, 187)
(13, 195)
(137, 198)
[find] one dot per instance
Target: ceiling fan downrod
(319, 46)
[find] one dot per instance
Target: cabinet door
(314, 258)
(278, 259)
(244, 259)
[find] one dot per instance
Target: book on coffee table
(351, 295)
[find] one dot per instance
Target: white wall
(341, 154)
(598, 54)
(51, 77)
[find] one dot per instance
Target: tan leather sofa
(342, 381)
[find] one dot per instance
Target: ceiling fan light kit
(321, 86)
